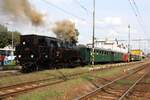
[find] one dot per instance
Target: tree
(16, 37)
(3, 29)
(3, 39)
(6, 37)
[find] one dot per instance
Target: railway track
(141, 91)
(16, 89)
(116, 91)
(17, 72)
(8, 91)
(8, 74)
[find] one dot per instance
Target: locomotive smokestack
(23, 9)
(65, 30)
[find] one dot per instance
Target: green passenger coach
(100, 55)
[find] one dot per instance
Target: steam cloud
(65, 30)
(22, 8)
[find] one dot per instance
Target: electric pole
(129, 38)
(93, 38)
(129, 42)
(139, 43)
(12, 38)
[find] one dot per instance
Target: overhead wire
(68, 13)
(89, 12)
(83, 7)
(136, 13)
(63, 10)
(140, 16)
(137, 9)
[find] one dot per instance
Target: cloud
(59, 1)
(110, 21)
(113, 20)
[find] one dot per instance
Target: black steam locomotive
(40, 52)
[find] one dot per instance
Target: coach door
(112, 56)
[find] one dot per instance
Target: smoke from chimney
(65, 30)
(22, 9)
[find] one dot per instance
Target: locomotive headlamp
(32, 56)
(23, 43)
(19, 56)
(46, 56)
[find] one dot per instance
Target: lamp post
(93, 37)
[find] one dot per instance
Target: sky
(112, 19)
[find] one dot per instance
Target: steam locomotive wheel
(29, 68)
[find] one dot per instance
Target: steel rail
(58, 77)
(61, 79)
(129, 89)
(39, 85)
(42, 80)
(98, 89)
(28, 89)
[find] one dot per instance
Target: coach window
(51, 45)
(55, 44)
(97, 52)
(58, 44)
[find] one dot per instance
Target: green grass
(109, 73)
(147, 81)
(125, 82)
(59, 90)
(88, 77)
(56, 91)
(9, 67)
(4, 81)
(51, 92)
(41, 95)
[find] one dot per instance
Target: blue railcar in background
(7, 57)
